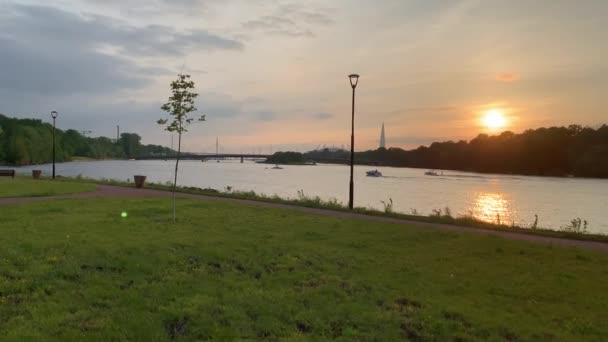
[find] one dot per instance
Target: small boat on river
(433, 173)
(373, 173)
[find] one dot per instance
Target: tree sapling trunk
(179, 106)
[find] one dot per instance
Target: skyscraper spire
(382, 138)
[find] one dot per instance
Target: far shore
(311, 163)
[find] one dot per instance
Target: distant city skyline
(275, 72)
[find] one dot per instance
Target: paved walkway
(119, 191)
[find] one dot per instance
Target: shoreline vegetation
(576, 229)
(573, 151)
(26, 142)
(288, 158)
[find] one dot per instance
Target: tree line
(554, 151)
(29, 141)
(286, 158)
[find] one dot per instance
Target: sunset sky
(275, 72)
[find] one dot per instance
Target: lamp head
(54, 114)
(354, 79)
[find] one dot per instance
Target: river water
(516, 199)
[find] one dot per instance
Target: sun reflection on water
(491, 207)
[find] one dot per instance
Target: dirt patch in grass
(101, 268)
(176, 327)
(508, 335)
(303, 327)
(407, 306)
(456, 317)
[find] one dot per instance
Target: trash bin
(139, 181)
(36, 174)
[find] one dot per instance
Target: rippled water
(517, 199)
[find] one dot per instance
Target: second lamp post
(54, 116)
(354, 79)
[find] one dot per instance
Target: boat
(373, 173)
(277, 167)
(431, 173)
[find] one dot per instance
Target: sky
(272, 74)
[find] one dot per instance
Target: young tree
(179, 107)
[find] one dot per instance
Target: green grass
(74, 270)
(23, 187)
(317, 202)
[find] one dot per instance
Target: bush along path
(120, 191)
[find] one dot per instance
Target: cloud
(154, 7)
(101, 115)
(52, 52)
(323, 116)
(265, 115)
(290, 20)
(218, 107)
(309, 16)
(268, 22)
(423, 113)
(276, 26)
(316, 18)
(49, 72)
(507, 76)
(58, 29)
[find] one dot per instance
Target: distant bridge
(245, 156)
(210, 156)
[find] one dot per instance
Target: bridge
(211, 156)
(256, 157)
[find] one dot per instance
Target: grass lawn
(22, 187)
(72, 270)
(317, 202)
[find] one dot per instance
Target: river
(513, 199)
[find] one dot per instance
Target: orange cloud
(507, 76)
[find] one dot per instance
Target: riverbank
(81, 269)
(507, 199)
(442, 216)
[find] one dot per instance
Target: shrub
(388, 206)
(577, 225)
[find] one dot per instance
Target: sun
(494, 119)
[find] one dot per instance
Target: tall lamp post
(354, 79)
(54, 116)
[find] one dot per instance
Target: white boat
(277, 167)
(373, 173)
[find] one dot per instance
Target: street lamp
(354, 79)
(54, 116)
